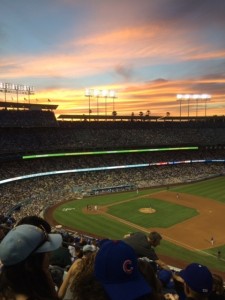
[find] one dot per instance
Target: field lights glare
(104, 93)
(196, 97)
(97, 93)
(193, 96)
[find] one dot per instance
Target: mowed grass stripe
(102, 227)
(207, 258)
(212, 188)
(98, 225)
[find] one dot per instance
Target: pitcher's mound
(148, 210)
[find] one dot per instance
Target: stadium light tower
(206, 97)
(179, 98)
(88, 93)
(112, 94)
(106, 94)
(16, 88)
(196, 98)
(97, 94)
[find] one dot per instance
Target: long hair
(29, 278)
(84, 284)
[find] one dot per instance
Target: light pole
(112, 94)
(88, 93)
(105, 95)
(5, 91)
(96, 94)
(206, 97)
(196, 98)
(179, 98)
(17, 96)
(18, 88)
(187, 97)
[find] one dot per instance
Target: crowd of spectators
(36, 193)
(46, 139)
(37, 263)
(27, 118)
(15, 168)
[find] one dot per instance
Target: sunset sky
(148, 51)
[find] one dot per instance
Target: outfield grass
(170, 214)
(106, 227)
(213, 189)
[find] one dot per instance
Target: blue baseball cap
(24, 240)
(198, 278)
(165, 276)
(116, 268)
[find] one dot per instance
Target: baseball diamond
(188, 222)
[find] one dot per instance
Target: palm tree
(114, 114)
(141, 114)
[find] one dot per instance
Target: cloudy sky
(148, 51)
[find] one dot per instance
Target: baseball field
(190, 217)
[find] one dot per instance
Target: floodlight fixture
(6, 87)
(196, 97)
(206, 96)
(104, 93)
(112, 94)
(193, 96)
(97, 93)
(87, 92)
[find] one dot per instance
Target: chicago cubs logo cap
(116, 268)
(198, 278)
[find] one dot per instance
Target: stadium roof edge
(136, 118)
(29, 106)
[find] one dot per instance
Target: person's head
(154, 238)
(22, 252)
(218, 285)
(116, 268)
(3, 231)
(84, 284)
(78, 251)
(166, 279)
(146, 269)
(198, 280)
(89, 249)
(35, 221)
